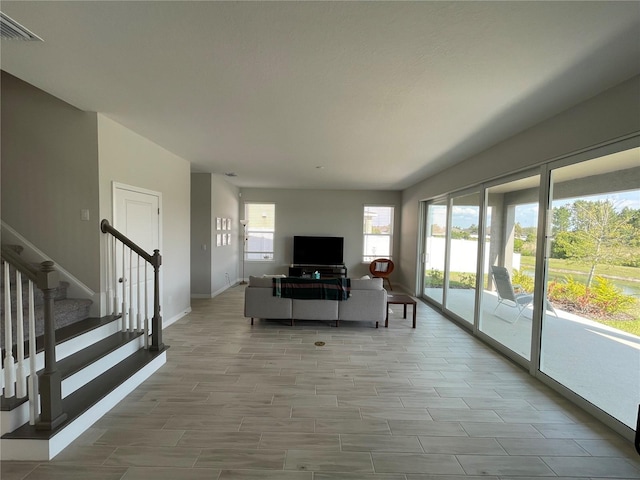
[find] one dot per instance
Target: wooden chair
(382, 268)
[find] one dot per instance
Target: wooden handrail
(106, 227)
(155, 260)
(9, 255)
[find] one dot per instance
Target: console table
(307, 271)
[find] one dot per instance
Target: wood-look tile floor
(236, 401)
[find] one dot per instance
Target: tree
(561, 219)
(597, 233)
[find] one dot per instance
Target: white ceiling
(379, 94)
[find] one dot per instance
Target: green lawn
(567, 267)
(629, 326)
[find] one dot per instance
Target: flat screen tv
(318, 250)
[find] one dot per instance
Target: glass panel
(463, 255)
(376, 246)
(260, 230)
(378, 232)
(435, 246)
(510, 244)
(259, 246)
(590, 334)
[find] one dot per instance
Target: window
(378, 232)
(260, 230)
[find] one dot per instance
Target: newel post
(156, 321)
(50, 381)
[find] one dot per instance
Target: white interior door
(137, 215)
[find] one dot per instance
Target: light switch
(84, 214)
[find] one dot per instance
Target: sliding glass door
(463, 255)
(511, 226)
(559, 272)
(590, 339)
(435, 247)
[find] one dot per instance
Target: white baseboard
(175, 318)
(216, 293)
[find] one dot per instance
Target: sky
(527, 214)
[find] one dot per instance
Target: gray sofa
(367, 302)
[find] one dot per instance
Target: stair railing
(123, 265)
(16, 372)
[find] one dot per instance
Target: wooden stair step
(79, 360)
(83, 399)
(62, 335)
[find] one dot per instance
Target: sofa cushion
(371, 284)
(315, 309)
(261, 282)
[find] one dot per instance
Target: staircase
(84, 365)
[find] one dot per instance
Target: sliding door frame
(543, 244)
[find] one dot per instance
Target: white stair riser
(78, 343)
(88, 373)
(13, 419)
(19, 416)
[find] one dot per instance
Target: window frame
(248, 230)
(367, 259)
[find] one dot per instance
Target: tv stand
(326, 271)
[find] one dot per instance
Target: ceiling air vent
(12, 30)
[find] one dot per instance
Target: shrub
(522, 279)
(434, 279)
(604, 299)
(468, 280)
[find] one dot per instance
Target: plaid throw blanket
(312, 289)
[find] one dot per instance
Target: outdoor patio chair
(506, 291)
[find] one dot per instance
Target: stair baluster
(132, 311)
(124, 289)
(21, 375)
(139, 299)
(34, 405)
(114, 276)
(9, 362)
(146, 307)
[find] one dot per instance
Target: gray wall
(608, 116)
(319, 212)
(49, 174)
(213, 268)
(201, 245)
(225, 266)
(129, 158)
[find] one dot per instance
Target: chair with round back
(382, 268)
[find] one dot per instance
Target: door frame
(115, 186)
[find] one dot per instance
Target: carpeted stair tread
(84, 398)
(66, 312)
(60, 293)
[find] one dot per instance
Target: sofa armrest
(369, 305)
